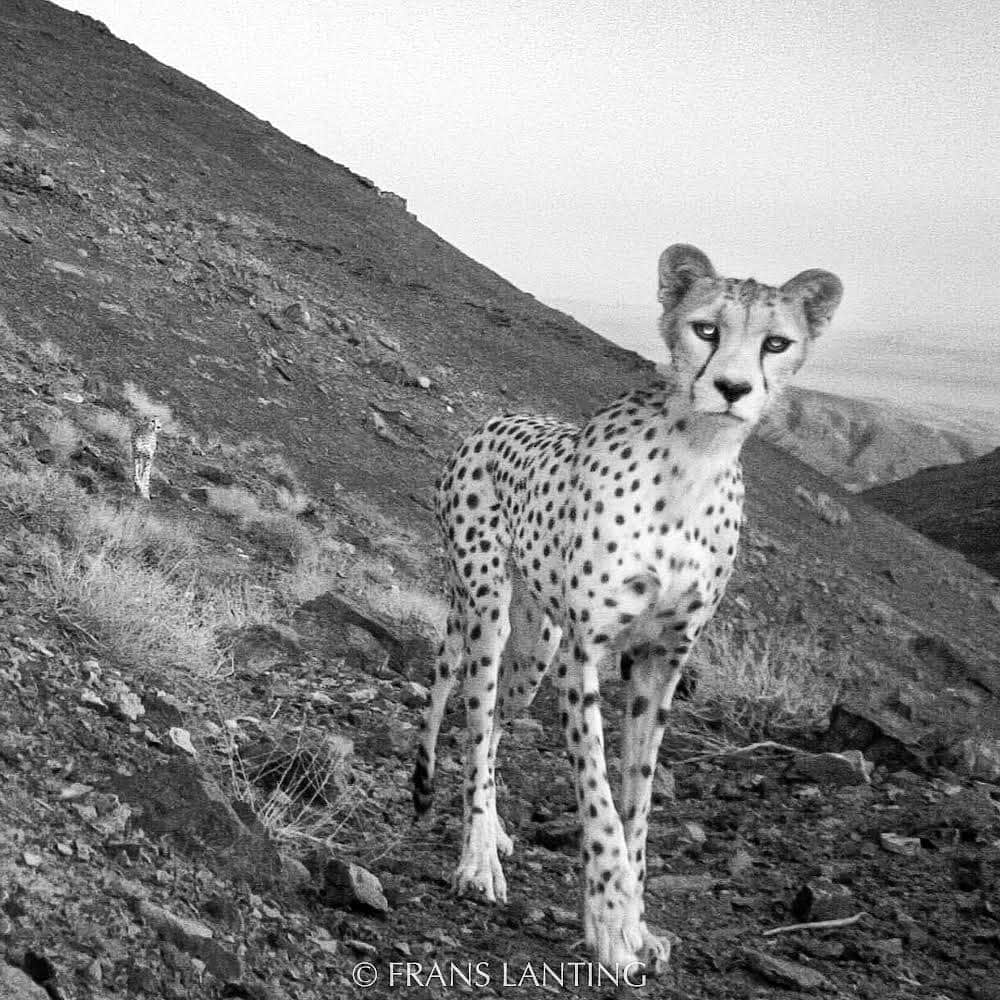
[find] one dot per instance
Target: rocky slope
(956, 505)
(186, 788)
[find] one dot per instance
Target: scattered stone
(125, 704)
(259, 649)
(896, 843)
(345, 885)
(45, 182)
(970, 811)
(185, 932)
(22, 234)
(558, 835)
(220, 477)
(414, 654)
(64, 268)
(424, 382)
(181, 739)
(884, 737)
(825, 507)
(692, 836)
(294, 873)
(387, 342)
(18, 985)
(177, 798)
(822, 901)
(565, 918)
(842, 769)
(91, 700)
(31, 859)
(740, 862)
(979, 757)
(298, 314)
(664, 785)
(781, 972)
(75, 791)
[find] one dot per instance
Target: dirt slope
(956, 505)
(152, 232)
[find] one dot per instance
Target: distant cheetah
(143, 443)
(617, 538)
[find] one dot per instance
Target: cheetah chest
(653, 561)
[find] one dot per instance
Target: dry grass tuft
(49, 350)
(53, 503)
(275, 530)
(145, 617)
(781, 684)
(146, 407)
(108, 425)
(63, 435)
(301, 786)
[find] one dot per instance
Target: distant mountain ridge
(955, 505)
(862, 444)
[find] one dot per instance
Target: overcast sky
(566, 144)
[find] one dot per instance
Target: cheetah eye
(706, 331)
(776, 345)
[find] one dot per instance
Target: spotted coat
(616, 539)
(143, 444)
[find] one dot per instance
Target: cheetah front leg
(612, 900)
(479, 871)
(650, 689)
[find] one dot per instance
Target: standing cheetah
(143, 443)
(618, 538)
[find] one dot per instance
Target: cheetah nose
(732, 391)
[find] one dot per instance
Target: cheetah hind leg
(445, 675)
(532, 645)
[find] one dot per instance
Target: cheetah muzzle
(572, 544)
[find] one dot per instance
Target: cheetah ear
(819, 292)
(681, 266)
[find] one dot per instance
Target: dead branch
(817, 925)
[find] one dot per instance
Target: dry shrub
(9, 340)
(49, 350)
(108, 425)
(51, 501)
(761, 688)
(146, 407)
(63, 435)
(146, 618)
(300, 785)
(280, 470)
(235, 502)
(274, 530)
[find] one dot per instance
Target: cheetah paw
(480, 876)
(505, 845)
(654, 952)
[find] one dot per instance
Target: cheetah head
(735, 344)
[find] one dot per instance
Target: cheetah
(143, 442)
(576, 545)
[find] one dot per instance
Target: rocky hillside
(208, 702)
(862, 444)
(956, 505)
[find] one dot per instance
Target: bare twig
(818, 925)
(735, 751)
